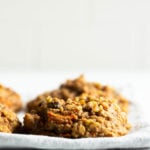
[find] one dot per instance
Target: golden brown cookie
(83, 116)
(79, 86)
(8, 120)
(10, 98)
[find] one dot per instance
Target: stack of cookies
(10, 103)
(76, 109)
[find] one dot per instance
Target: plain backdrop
(60, 35)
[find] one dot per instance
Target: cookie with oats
(10, 98)
(83, 116)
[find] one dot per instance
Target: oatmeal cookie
(83, 116)
(8, 120)
(10, 98)
(79, 86)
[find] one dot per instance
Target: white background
(64, 35)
